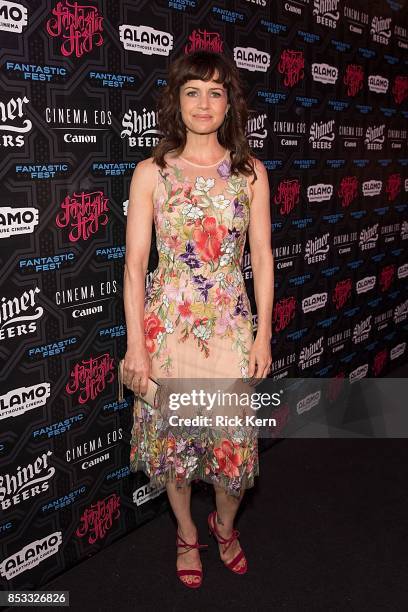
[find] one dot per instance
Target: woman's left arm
(262, 261)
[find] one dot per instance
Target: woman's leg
(180, 502)
(227, 508)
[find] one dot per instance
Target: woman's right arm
(136, 363)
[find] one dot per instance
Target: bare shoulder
(145, 173)
(261, 184)
(147, 166)
(260, 167)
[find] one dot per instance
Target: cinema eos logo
(98, 519)
(326, 12)
(140, 128)
(381, 29)
(12, 120)
(84, 213)
(292, 66)
(90, 377)
(79, 27)
(13, 16)
(145, 40)
(322, 134)
(201, 40)
(252, 59)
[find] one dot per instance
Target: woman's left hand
(260, 358)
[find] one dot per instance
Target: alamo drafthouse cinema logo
(13, 16)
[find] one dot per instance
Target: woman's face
(203, 105)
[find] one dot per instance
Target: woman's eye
(215, 93)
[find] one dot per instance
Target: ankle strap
(221, 540)
(188, 546)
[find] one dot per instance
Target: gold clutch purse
(152, 395)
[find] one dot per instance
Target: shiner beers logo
(326, 12)
(381, 29)
(13, 121)
(79, 27)
(322, 134)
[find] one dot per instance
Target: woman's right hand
(136, 369)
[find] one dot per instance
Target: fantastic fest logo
(400, 89)
(342, 293)
(393, 186)
(292, 66)
(84, 213)
(79, 27)
(380, 361)
(98, 518)
(283, 313)
(353, 79)
(90, 377)
(348, 190)
(287, 196)
(202, 40)
(386, 277)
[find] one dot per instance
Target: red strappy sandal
(239, 563)
(196, 576)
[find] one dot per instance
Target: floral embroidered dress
(198, 324)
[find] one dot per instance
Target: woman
(194, 320)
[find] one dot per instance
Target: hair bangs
(204, 68)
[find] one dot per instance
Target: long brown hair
(202, 65)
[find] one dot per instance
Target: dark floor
(325, 529)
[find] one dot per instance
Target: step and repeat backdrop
(327, 86)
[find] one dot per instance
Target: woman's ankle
(187, 531)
